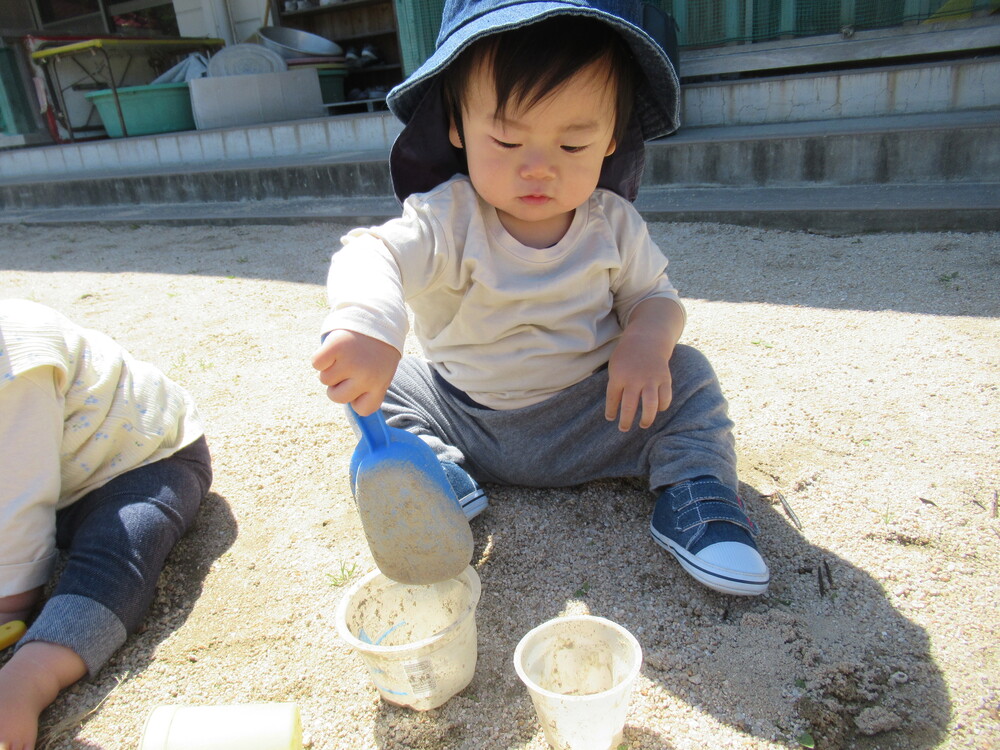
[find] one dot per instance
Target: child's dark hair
(530, 62)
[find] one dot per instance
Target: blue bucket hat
(422, 157)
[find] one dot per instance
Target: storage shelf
(373, 68)
(328, 8)
(368, 35)
(354, 23)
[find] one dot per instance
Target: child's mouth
(535, 200)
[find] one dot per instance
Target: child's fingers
(350, 391)
(655, 398)
(621, 405)
(650, 407)
(612, 402)
(325, 355)
(627, 412)
(665, 395)
(367, 403)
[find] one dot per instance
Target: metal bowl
(293, 43)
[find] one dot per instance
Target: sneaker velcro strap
(705, 500)
(697, 512)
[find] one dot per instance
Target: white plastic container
(238, 101)
(250, 726)
(580, 671)
(418, 642)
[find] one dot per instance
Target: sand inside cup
(418, 642)
(579, 671)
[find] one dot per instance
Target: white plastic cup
(250, 726)
(579, 671)
(418, 642)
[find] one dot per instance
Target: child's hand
(29, 682)
(18, 724)
(638, 373)
(356, 369)
(639, 368)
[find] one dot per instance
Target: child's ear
(611, 148)
(453, 135)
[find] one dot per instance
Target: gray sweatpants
(565, 440)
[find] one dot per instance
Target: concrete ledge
(964, 147)
(839, 209)
(225, 183)
(961, 147)
(890, 208)
(327, 138)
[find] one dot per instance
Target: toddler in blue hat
(548, 324)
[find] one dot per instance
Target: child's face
(537, 165)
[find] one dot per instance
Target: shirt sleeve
(643, 273)
(31, 427)
(377, 269)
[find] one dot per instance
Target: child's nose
(536, 166)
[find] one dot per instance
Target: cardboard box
(233, 101)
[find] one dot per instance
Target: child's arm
(638, 372)
(356, 369)
(29, 682)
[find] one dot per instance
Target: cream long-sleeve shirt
(508, 324)
(76, 410)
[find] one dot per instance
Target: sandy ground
(863, 375)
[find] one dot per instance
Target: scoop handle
(374, 430)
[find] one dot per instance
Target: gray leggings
(565, 440)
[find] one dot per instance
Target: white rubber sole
(473, 504)
(719, 574)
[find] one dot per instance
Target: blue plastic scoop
(411, 517)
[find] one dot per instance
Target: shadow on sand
(821, 653)
(178, 589)
(924, 273)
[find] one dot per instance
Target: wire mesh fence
(709, 23)
(706, 23)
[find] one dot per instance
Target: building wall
(16, 18)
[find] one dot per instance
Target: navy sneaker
(702, 523)
(470, 495)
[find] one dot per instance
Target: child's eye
(504, 144)
(573, 149)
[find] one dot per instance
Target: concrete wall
(314, 140)
(939, 87)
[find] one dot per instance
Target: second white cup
(579, 671)
(250, 726)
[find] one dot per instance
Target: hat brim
(657, 102)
